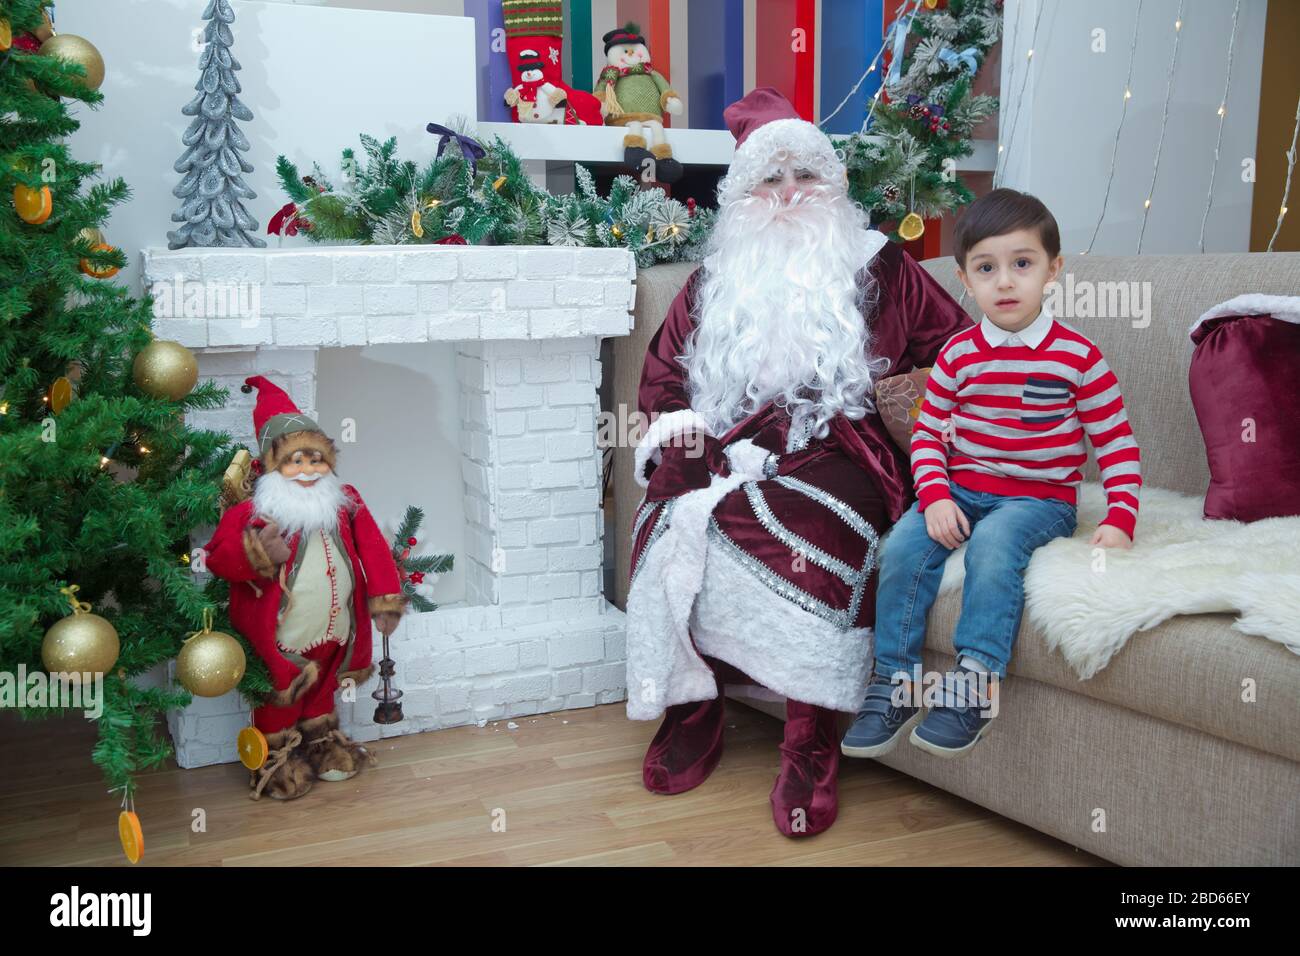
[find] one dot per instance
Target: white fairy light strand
(1223, 112)
(998, 167)
(1128, 95)
(1286, 190)
(874, 60)
(1002, 101)
(1164, 121)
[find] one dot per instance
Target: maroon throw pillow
(1245, 385)
(898, 400)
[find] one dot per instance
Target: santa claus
(769, 475)
(308, 567)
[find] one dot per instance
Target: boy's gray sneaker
(954, 727)
(880, 723)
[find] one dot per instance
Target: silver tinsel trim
(659, 528)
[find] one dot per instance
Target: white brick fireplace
(534, 633)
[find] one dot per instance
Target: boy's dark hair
(1002, 211)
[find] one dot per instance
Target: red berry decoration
(417, 577)
(411, 541)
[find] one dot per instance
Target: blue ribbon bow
(471, 149)
(966, 58)
(898, 31)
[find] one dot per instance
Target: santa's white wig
(786, 295)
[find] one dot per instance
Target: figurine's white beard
(298, 507)
(780, 314)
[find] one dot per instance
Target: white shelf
(604, 144)
(548, 151)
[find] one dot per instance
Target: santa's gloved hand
(686, 467)
(387, 621)
(268, 536)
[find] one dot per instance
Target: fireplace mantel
(535, 633)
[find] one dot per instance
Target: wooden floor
(566, 786)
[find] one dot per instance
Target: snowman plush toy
(533, 98)
(636, 96)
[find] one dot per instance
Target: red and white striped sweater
(1010, 419)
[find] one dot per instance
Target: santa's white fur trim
(799, 655)
(1284, 307)
(665, 428)
(663, 667)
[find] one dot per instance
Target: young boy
(996, 456)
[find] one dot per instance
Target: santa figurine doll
(635, 96)
(308, 568)
(533, 99)
(538, 99)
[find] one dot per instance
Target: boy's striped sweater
(1010, 419)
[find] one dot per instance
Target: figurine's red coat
(255, 597)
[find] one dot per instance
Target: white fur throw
(1089, 602)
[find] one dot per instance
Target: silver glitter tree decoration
(212, 189)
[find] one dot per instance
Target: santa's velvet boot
(686, 748)
(805, 798)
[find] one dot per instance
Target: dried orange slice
(94, 269)
(912, 227)
(252, 748)
(131, 835)
(34, 205)
(60, 394)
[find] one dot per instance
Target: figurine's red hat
(275, 416)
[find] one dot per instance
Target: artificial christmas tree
(902, 166)
(101, 482)
(213, 187)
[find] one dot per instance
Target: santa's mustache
(777, 206)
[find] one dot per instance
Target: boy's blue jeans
(1005, 531)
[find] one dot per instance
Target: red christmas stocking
(537, 26)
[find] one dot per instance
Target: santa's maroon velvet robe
(788, 590)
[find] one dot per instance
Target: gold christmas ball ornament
(210, 663)
(912, 227)
(91, 236)
(166, 370)
(80, 643)
(46, 29)
(74, 49)
(6, 35)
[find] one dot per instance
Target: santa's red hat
(770, 134)
(281, 428)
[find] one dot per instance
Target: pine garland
(388, 201)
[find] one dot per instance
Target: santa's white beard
(295, 506)
(779, 313)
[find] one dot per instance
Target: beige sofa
(1156, 759)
